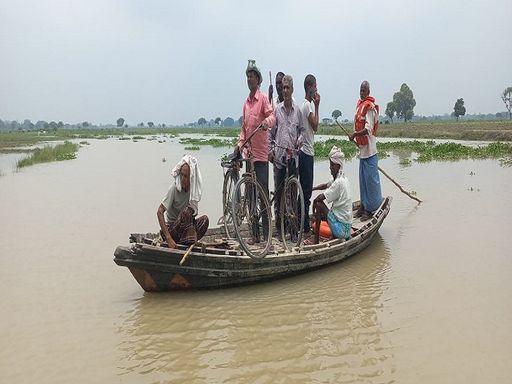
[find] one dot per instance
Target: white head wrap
(336, 156)
(196, 181)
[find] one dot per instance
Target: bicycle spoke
(252, 221)
(292, 214)
(230, 180)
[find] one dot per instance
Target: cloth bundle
(196, 181)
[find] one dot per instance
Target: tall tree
(506, 97)
(336, 113)
(41, 124)
(27, 125)
(120, 122)
(228, 122)
(404, 103)
(459, 109)
(390, 110)
(218, 121)
(201, 121)
(151, 124)
(240, 120)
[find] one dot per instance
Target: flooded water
(429, 301)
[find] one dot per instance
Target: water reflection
(8, 162)
(324, 325)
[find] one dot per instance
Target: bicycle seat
(232, 159)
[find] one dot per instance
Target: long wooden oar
(381, 170)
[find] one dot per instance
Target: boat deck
(216, 238)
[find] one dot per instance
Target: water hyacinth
(426, 150)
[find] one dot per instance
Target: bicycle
(251, 213)
(291, 209)
(231, 172)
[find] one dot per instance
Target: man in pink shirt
(256, 110)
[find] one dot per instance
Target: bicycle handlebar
(289, 151)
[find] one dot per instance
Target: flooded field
(428, 301)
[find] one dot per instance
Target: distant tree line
(217, 122)
(40, 125)
(401, 107)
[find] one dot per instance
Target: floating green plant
(212, 142)
(426, 150)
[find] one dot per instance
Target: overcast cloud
(175, 61)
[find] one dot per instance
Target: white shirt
(366, 151)
(338, 193)
(308, 135)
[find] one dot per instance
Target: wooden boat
(217, 262)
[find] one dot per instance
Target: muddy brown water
(428, 301)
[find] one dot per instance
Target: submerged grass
(66, 151)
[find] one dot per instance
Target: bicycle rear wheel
(292, 214)
(230, 180)
(251, 217)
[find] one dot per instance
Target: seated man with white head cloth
(337, 192)
(181, 205)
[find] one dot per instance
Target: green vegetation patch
(66, 151)
(426, 150)
(192, 148)
(213, 142)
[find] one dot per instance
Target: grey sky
(175, 61)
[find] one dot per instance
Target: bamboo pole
(186, 254)
(382, 171)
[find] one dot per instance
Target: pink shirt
(255, 111)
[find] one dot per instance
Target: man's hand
(170, 241)
(264, 125)
(316, 99)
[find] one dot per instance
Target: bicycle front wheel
(292, 214)
(251, 217)
(230, 180)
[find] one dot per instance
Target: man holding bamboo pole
(366, 123)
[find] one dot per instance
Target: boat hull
(158, 268)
